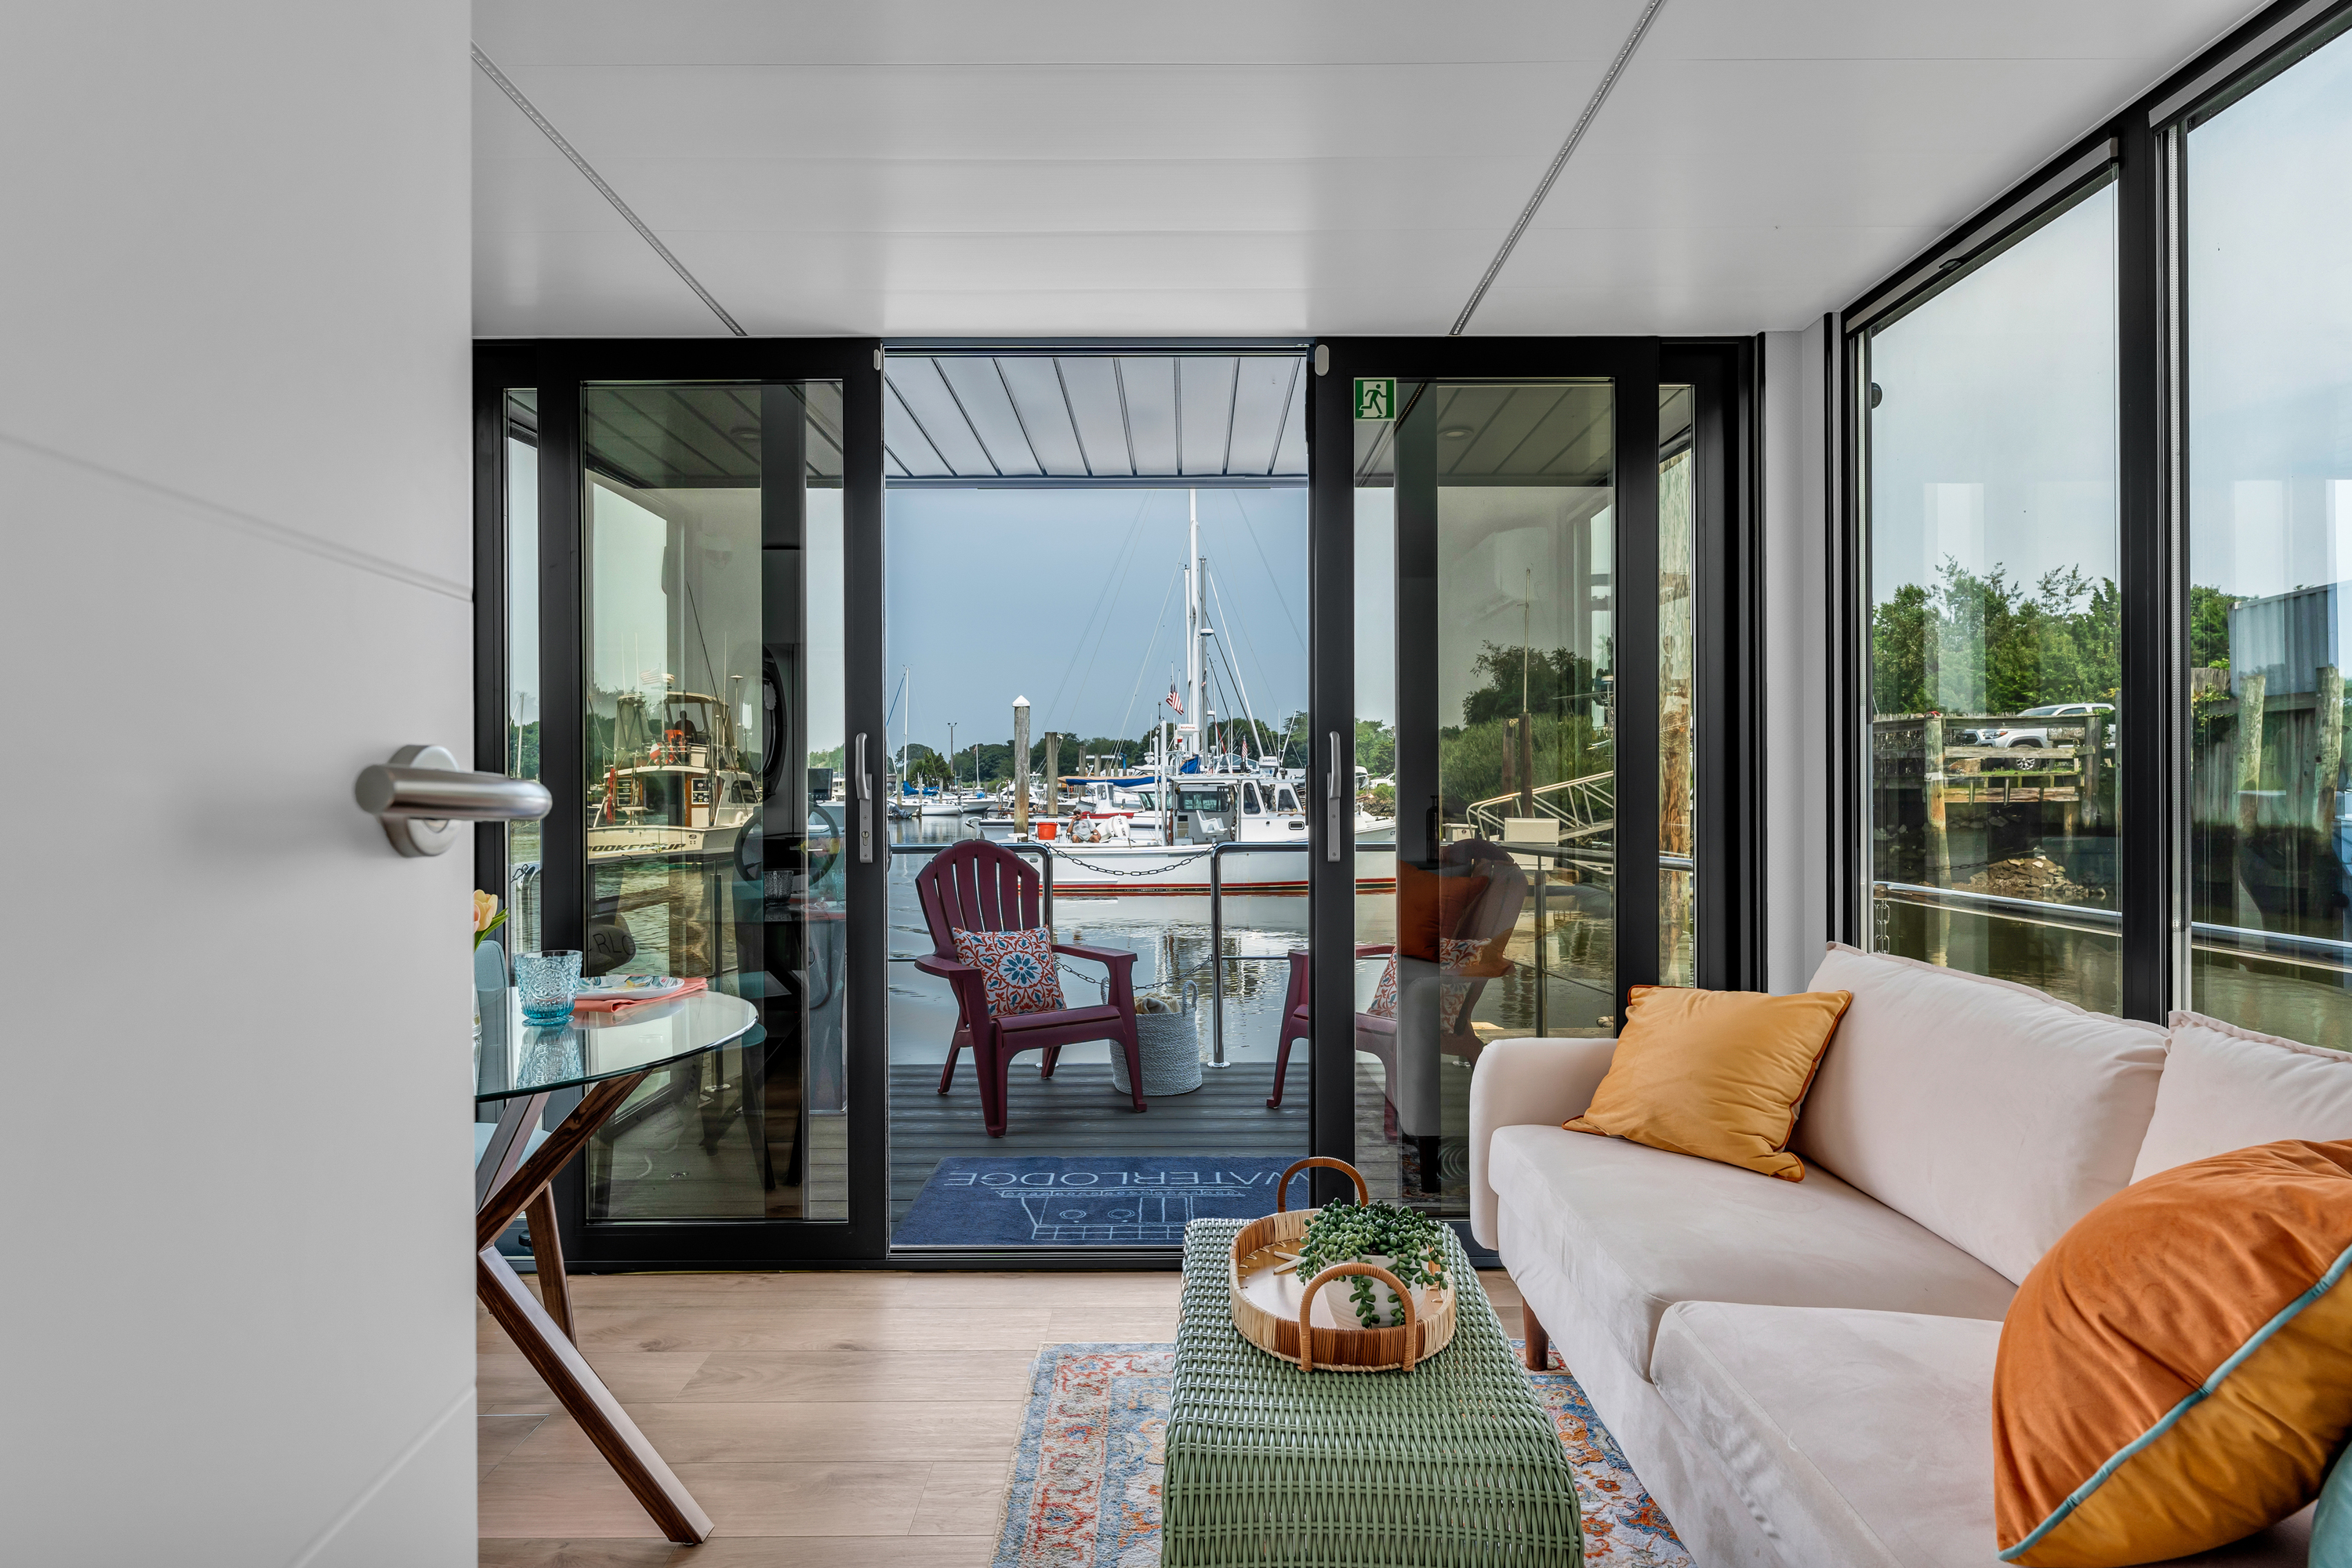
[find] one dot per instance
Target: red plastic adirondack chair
(979, 885)
(1493, 912)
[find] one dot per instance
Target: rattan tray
(1299, 1323)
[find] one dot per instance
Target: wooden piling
(2251, 689)
(2327, 768)
(2086, 765)
(1939, 850)
(1939, 847)
(1021, 767)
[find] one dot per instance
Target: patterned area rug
(1086, 1484)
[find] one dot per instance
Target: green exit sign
(1375, 398)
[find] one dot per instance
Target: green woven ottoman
(1453, 1463)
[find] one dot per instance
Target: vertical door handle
(862, 783)
(1331, 804)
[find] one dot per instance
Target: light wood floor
(852, 1419)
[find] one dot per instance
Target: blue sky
(1072, 598)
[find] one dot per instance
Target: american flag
(1176, 702)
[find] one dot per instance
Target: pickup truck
(2036, 737)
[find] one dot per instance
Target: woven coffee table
(1454, 1462)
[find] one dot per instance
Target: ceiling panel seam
(968, 423)
(1282, 425)
(1125, 420)
(909, 409)
(1560, 161)
(1070, 412)
(530, 112)
(1233, 412)
(1019, 422)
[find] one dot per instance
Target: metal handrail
(2241, 942)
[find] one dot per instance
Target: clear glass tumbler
(548, 982)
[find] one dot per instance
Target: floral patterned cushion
(1455, 954)
(1017, 967)
(1458, 953)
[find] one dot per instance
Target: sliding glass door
(705, 598)
(1531, 529)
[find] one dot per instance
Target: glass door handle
(1331, 802)
(420, 796)
(862, 783)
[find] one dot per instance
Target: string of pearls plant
(1401, 1240)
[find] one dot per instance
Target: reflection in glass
(1677, 652)
(1994, 651)
(2270, 548)
(711, 630)
(521, 930)
(1494, 501)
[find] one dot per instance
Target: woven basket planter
(1170, 1050)
(1263, 1253)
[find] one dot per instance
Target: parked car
(2029, 735)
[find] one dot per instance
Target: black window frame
(558, 369)
(2139, 147)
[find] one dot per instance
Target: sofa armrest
(1519, 1083)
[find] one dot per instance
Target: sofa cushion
(2225, 1088)
(1637, 1229)
(1991, 1113)
(1860, 1438)
(1717, 1074)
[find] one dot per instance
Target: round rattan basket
(1275, 1312)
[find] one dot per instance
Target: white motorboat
(676, 788)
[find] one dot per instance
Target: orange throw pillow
(1719, 1074)
(1430, 905)
(2177, 1373)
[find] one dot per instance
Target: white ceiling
(1276, 168)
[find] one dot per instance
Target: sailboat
(1193, 798)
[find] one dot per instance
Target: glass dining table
(519, 1069)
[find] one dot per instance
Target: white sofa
(1802, 1372)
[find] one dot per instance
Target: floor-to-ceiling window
(2267, 247)
(2097, 481)
(1994, 637)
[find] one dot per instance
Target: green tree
(2209, 627)
(1979, 643)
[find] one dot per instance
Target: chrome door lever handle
(421, 796)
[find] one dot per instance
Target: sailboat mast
(1193, 622)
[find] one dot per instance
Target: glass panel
(1678, 650)
(2269, 552)
(1158, 636)
(1498, 504)
(1994, 656)
(521, 760)
(711, 628)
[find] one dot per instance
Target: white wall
(1796, 661)
(234, 569)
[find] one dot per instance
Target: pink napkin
(620, 1004)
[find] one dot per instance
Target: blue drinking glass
(547, 983)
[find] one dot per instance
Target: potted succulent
(1401, 1240)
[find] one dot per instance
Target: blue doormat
(1096, 1200)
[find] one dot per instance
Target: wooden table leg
(583, 1394)
(509, 1185)
(547, 1259)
